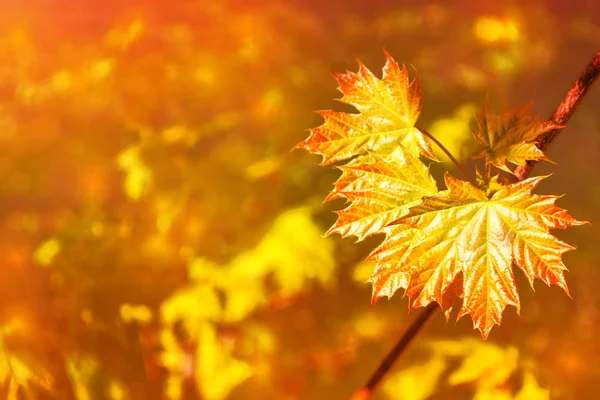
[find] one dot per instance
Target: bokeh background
(159, 240)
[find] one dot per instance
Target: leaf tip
(485, 332)
(388, 56)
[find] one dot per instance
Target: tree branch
(563, 113)
(389, 360)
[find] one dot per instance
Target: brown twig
(458, 165)
(387, 363)
(563, 113)
(565, 109)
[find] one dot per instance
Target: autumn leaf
(380, 190)
(460, 243)
(510, 136)
(388, 110)
(486, 364)
(418, 382)
(215, 364)
(490, 372)
(19, 372)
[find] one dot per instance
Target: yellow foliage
(192, 306)
(485, 366)
(258, 340)
(136, 313)
(138, 179)
(116, 391)
(81, 370)
(263, 168)
(362, 271)
(101, 69)
(492, 30)
(167, 210)
(16, 372)
(243, 297)
(61, 81)
(46, 252)
(179, 133)
(503, 63)
(124, 37)
(482, 362)
(173, 359)
(217, 372)
(202, 270)
(531, 390)
(417, 382)
(296, 250)
(292, 251)
(369, 325)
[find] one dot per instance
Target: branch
(387, 363)
(563, 113)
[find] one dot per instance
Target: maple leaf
(380, 190)
(510, 136)
(388, 109)
(462, 243)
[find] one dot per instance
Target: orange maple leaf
(388, 110)
(462, 243)
(380, 190)
(510, 136)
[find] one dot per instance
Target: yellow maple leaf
(388, 110)
(380, 191)
(462, 243)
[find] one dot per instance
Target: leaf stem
(563, 113)
(366, 391)
(450, 156)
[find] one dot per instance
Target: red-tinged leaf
(380, 190)
(388, 110)
(460, 236)
(510, 136)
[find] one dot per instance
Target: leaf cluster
(460, 243)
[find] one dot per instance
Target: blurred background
(159, 240)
